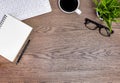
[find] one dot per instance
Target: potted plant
(108, 10)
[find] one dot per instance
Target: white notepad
(23, 9)
(13, 35)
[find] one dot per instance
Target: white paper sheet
(23, 9)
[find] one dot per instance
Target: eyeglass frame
(87, 21)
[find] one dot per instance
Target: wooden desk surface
(62, 50)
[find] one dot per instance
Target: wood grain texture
(63, 50)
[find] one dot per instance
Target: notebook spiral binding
(2, 21)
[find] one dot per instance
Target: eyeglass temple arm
(97, 24)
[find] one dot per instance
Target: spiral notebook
(14, 36)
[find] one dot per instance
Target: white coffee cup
(65, 3)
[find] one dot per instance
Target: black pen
(22, 52)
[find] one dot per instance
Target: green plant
(109, 10)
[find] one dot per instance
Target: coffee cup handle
(78, 11)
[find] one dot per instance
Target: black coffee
(69, 5)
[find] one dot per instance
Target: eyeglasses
(103, 30)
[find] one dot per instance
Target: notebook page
(13, 34)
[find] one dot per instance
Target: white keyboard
(23, 9)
